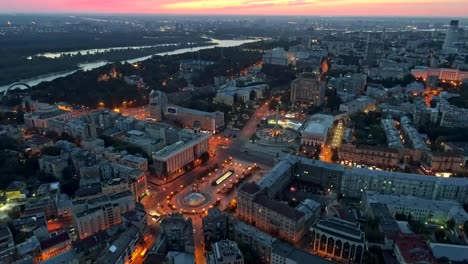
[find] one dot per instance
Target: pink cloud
(294, 7)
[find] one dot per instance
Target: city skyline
(439, 8)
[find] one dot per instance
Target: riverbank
(99, 63)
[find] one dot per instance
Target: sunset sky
(248, 7)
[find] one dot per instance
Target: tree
(333, 100)
(273, 105)
(450, 224)
(51, 151)
(465, 227)
(235, 99)
(334, 156)
(439, 235)
(252, 95)
(67, 173)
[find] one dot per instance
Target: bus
(223, 177)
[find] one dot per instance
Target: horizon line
(206, 14)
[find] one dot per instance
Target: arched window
(338, 247)
(330, 245)
(359, 251)
(323, 243)
(346, 248)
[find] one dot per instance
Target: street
(222, 147)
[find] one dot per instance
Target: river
(93, 65)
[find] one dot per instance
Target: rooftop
(450, 251)
(255, 233)
(119, 246)
(279, 207)
(179, 146)
(298, 256)
(39, 140)
(48, 243)
(450, 207)
(341, 228)
(318, 124)
(414, 249)
(250, 188)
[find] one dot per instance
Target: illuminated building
(339, 240)
(307, 89)
(369, 155)
(101, 212)
(443, 74)
(45, 112)
(16, 190)
(316, 130)
(170, 160)
(55, 245)
(433, 162)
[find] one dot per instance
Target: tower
(157, 104)
(452, 37)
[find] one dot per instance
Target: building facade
(170, 160)
(369, 155)
(339, 240)
(316, 130)
(307, 89)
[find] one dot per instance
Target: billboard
(171, 110)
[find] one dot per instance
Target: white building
(392, 134)
(316, 130)
(452, 116)
(157, 104)
(278, 56)
(43, 113)
(420, 209)
(360, 104)
(171, 160)
(412, 135)
(227, 93)
(442, 74)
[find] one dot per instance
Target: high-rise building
(308, 89)
(452, 37)
(157, 104)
